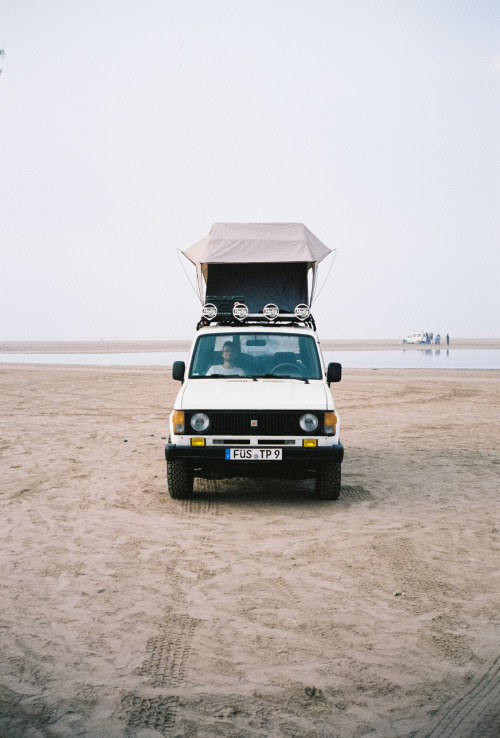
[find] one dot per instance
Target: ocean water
(144, 358)
(432, 358)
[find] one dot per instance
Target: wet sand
(253, 609)
(329, 344)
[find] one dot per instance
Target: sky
(128, 127)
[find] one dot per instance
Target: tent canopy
(272, 245)
(247, 243)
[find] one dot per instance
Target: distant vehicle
(415, 338)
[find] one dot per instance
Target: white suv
(415, 338)
(255, 401)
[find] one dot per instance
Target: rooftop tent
(261, 262)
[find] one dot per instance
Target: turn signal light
(197, 441)
(330, 423)
(178, 421)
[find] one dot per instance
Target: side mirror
(178, 370)
(334, 373)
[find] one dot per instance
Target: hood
(245, 394)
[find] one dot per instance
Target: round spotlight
(271, 311)
(302, 312)
(308, 422)
(209, 311)
(200, 422)
(240, 311)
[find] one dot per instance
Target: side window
(203, 356)
(309, 358)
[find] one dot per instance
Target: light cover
(271, 311)
(309, 422)
(178, 421)
(209, 311)
(200, 422)
(240, 311)
(302, 312)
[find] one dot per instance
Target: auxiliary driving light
(302, 312)
(240, 311)
(209, 311)
(271, 311)
(197, 441)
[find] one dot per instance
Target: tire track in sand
(471, 714)
(168, 651)
(165, 667)
(158, 713)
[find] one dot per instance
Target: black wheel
(328, 480)
(180, 480)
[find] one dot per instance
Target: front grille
(268, 423)
(231, 441)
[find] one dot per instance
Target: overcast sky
(127, 127)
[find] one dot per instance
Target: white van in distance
(415, 338)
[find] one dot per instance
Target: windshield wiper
(265, 376)
(277, 376)
(222, 376)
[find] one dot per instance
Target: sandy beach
(253, 609)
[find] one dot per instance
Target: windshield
(255, 355)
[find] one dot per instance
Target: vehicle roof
(291, 329)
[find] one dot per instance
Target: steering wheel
(292, 369)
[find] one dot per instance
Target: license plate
(253, 454)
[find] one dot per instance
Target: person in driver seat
(228, 367)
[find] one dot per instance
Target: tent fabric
(285, 285)
(256, 243)
(237, 243)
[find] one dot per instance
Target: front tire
(328, 480)
(180, 480)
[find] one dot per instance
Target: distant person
(228, 366)
(438, 339)
(431, 336)
(447, 339)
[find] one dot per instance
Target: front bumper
(209, 462)
(200, 454)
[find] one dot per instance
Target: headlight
(308, 422)
(200, 422)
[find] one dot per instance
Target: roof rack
(283, 319)
(231, 310)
